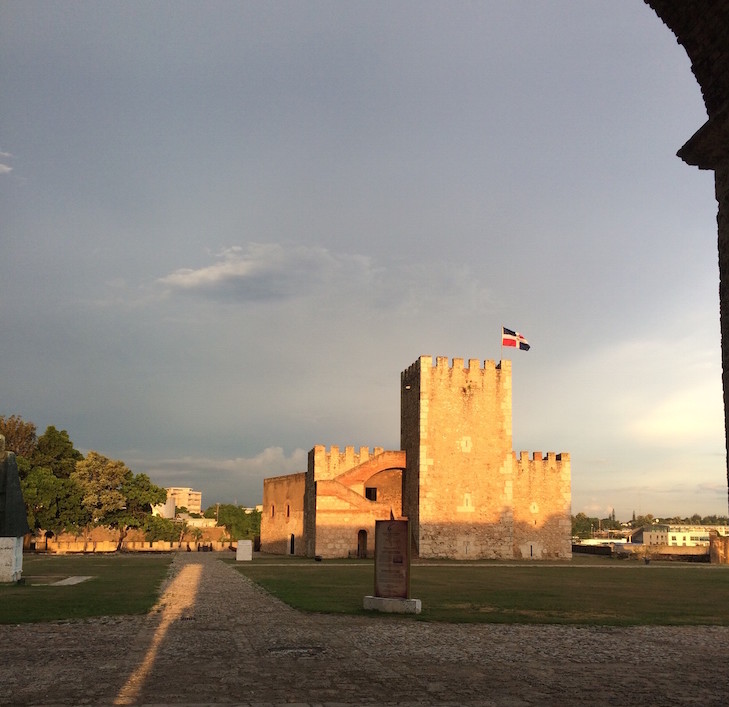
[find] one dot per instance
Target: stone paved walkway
(217, 639)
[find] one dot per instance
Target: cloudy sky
(225, 228)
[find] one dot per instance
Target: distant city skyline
(227, 227)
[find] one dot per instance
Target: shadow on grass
(589, 591)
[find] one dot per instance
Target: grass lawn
(119, 584)
(588, 590)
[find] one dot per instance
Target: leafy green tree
(20, 436)
(157, 528)
(101, 480)
(583, 526)
(53, 504)
(644, 520)
(239, 523)
(114, 495)
(55, 451)
(610, 523)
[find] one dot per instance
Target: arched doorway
(362, 544)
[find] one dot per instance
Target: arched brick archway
(702, 28)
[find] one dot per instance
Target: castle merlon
(539, 457)
(348, 453)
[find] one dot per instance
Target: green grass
(120, 584)
(593, 591)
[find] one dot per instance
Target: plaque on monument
(244, 551)
(392, 559)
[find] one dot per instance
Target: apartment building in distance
(185, 497)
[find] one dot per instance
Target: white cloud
(269, 271)
(274, 271)
(4, 168)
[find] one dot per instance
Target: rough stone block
(244, 552)
(392, 606)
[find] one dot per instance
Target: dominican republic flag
(513, 338)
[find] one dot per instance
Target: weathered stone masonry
(702, 28)
(466, 493)
(457, 479)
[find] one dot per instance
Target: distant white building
(197, 522)
(677, 535)
(185, 497)
(166, 509)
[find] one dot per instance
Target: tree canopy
(239, 522)
(20, 436)
(114, 495)
(55, 451)
(63, 490)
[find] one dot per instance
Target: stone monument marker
(244, 551)
(392, 569)
(13, 520)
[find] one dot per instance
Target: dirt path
(216, 639)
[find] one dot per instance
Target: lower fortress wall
(345, 520)
(542, 506)
(282, 518)
(69, 547)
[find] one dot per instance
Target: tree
(114, 495)
(51, 503)
(584, 526)
(238, 522)
(140, 494)
(644, 521)
(101, 480)
(20, 436)
(55, 450)
(610, 523)
(157, 528)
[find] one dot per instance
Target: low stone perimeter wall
(698, 553)
(66, 547)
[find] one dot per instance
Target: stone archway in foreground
(702, 28)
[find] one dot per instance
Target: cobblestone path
(217, 639)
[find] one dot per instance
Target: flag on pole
(513, 338)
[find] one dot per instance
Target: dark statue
(13, 520)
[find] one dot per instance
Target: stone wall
(282, 518)
(465, 493)
(542, 506)
(343, 517)
(72, 547)
(719, 549)
(702, 28)
(458, 436)
(455, 478)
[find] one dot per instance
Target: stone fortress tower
(465, 492)
(455, 477)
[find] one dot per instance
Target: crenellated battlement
(538, 456)
(551, 464)
(456, 477)
(456, 370)
(328, 464)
